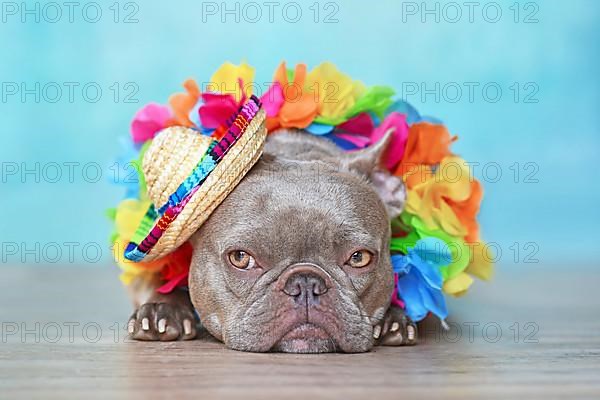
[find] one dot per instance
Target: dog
(296, 259)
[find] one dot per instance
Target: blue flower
(420, 278)
(412, 115)
(124, 171)
(319, 129)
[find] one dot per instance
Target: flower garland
(435, 241)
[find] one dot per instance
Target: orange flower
(427, 144)
(466, 211)
(447, 199)
(300, 107)
(183, 103)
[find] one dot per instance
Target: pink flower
(148, 121)
(273, 99)
(216, 108)
(395, 149)
(361, 124)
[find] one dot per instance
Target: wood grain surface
(532, 332)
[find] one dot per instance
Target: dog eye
(240, 259)
(360, 259)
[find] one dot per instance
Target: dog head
(296, 258)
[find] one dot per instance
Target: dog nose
(297, 284)
(305, 288)
(305, 283)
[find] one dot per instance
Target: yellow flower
(131, 269)
(128, 216)
(458, 285)
(225, 80)
(481, 265)
(335, 91)
(428, 199)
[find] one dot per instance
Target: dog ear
(369, 163)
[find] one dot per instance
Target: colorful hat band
(150, 229)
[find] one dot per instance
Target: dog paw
(396, 329)
(162, 321)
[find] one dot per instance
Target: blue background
(559, 134)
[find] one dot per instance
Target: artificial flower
(460, 252)
(376, 100)
(412, 115)
(448, 199)
(395, 150)
(353, 134)
(149, 120)
(334, 92)
(466, 211)
(176, 269)
(420, 280)
(273, 99)
(236, 80)
(416, 174)
(360, 124)
(127, 216)
(216, 108)
(122, 175)
(430, 199)
(227, 90)
(396, 300)
(466, 258)
(132, 270)
(183, 103)
(458, 285)
(481, 264)
(319, 129)
(137, 165)
(427, 144)
(171, 267)
(299, 108)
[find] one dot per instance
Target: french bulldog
(296, 259)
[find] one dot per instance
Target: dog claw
(377, 331)
(162, 325)
(411, 332)
(187, 326)
(131, 326)
(162, 321)
(402, 331)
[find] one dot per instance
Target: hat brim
(221, 181)
(195, 209)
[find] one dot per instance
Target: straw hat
(189, 174)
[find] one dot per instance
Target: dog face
(296, 259)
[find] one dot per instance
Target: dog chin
(306, 338)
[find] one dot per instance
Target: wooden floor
(535, 334)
